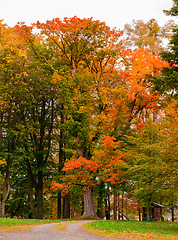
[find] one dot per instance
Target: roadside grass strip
(134, 229)
(9, 224)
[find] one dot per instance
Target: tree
(99, 169)
(167, 84)
(29, 108)
(126, 101)
(86, 52)
(138, 95)
(149, 34)
(174, 10)
(13, 69)
(148, 172)
(38, 117)
(168, 151)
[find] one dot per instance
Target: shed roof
(155, 204)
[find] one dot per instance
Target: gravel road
(73, 231)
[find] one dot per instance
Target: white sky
(115, 13)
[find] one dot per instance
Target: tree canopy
(77, 117)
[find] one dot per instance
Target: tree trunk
(139, 213)
(122, 206)
(31, 183)
(100, 210)
(82, 207)
(2, 208)
(40, 195)
(115, 204)
(61, 161)
(59, 210)
(6, 189)
(72, 211)
(66, 206)
(151, 213)
(172, 213)
(89, 208)
(30, 195)
(10, 148)
(144, 213)
(119, 215)
(107, 207)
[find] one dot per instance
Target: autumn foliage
(74, 99)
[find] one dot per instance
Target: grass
(7, 224)
(134, 230)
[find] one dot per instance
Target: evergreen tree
(169, 82)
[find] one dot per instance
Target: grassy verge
(7, 224)
(135, 230)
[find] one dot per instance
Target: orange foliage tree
(137, 97)
(87, 54)
(130, 98)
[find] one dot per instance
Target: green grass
(134, 229)
(7, 224)
(12, 221)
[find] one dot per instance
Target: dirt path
(73, 231)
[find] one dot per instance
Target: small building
(156, 212)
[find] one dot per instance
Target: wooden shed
(156, 212)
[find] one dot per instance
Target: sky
(116, 13)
